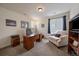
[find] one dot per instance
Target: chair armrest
(64, 36)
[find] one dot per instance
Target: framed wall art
(10, 22)
(42, 25)
(24, 24)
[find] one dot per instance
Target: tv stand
(73, 36)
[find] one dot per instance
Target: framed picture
(42, 25)
(10, 22)
(24, 24)
(75, 43)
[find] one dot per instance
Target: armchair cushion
(58, 35)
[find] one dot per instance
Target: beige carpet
(45, 48)
(12, 51)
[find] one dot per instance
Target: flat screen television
(75, 23)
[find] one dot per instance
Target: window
(56, 25)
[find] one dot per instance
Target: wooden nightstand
(15, 40)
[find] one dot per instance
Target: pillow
(57, 35)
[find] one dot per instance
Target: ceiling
(49, 9)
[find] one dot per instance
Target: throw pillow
(58, 35)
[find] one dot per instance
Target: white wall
(38, 23)
(43, 30)
(74, 11)
(7, 31)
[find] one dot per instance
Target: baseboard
(9, 46)
(5, 47)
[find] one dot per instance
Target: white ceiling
(50, 9)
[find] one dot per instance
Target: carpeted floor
(43, 48)
(12, 51)
(46, 48)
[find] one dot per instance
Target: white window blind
(56, 25)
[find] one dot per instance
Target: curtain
(49, 26)
(64, 22)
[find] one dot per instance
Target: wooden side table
(28, 42)
(15, 40)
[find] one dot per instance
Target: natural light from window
(56, 25)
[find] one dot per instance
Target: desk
(28, 41)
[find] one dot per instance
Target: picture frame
(24, 24)
(42, 25)
(10, 22)
(75, 43)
